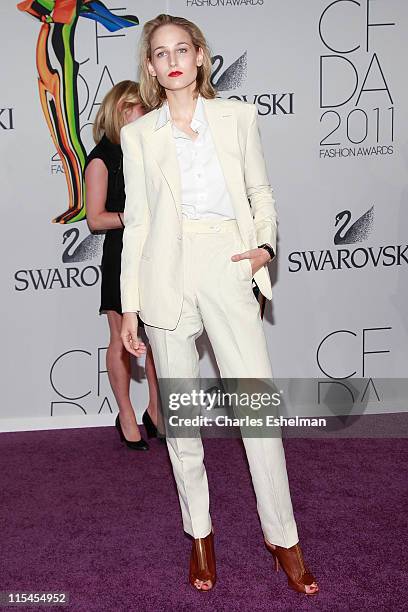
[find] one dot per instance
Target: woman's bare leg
(153, 386)
(118, 366)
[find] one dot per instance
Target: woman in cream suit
(192, 244)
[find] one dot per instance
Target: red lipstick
(175, 73)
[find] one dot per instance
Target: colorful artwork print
(57, 83)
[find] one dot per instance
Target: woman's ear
(200, 57)
(150, 68)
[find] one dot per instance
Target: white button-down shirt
(204, 193)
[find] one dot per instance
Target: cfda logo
(78, 378)
(344, 355)
(358, 117)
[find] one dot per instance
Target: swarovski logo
(345, 258)
(75, 251)
(358, 231)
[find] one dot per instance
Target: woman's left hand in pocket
(257, 257)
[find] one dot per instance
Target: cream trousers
(218, 296)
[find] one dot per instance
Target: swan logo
(88, 248)
(357, 231)
(75, 251)
(232, 77)
(349, 232)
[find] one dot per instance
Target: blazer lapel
(164, 150)
(223, 126)
(224, 131)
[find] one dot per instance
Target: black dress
(111, 155)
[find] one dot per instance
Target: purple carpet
(81, 513)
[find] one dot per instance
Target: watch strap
(268, 248)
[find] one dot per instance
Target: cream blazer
(151, 273)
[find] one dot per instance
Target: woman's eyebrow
(165, 46)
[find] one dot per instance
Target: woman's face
(133, 113)
(174, 59)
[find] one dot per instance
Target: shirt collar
(199, 118)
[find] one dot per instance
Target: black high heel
(139, 445)
(150, 427)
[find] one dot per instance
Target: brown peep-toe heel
(292, 562)
(202, 561)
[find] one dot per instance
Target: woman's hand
(130, 339)
(257, 257)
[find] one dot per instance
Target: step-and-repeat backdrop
(329, 80)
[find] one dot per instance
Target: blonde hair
(151, 92)
(110, 117)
